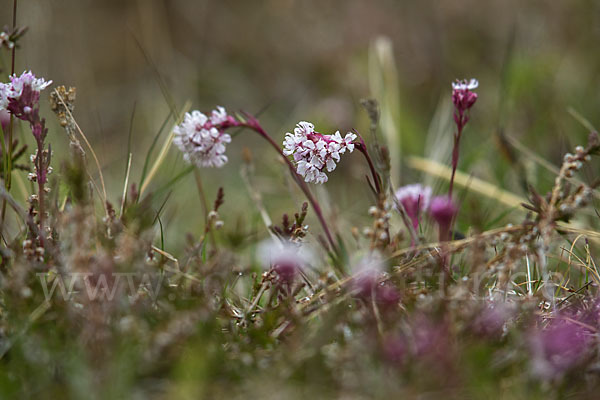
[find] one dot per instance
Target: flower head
(558, 348)
(314, 152)
(462, 95)
(492, 319)
(27, 78)
(22, 95)
(464, 85)
(415, 199)
(285, 259)
(368, 282)
(202, 139)
(443, 210)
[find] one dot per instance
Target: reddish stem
(362, 147)
(253, 124)
(455, 152)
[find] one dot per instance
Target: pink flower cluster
(202, 138)
(463, 98)
(21, 96)
(314, 152)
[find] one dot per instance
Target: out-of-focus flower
(314, 152)
(431, 340)
(558, 347)
(492, 319)
(202, 139)
(284, 258)
(443, 210)
(394, 349)
(462, 95)
(415, 199)
(367, 281)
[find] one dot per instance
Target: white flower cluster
(464, 85)
(314, 152)
(14, 89)
(201, 138)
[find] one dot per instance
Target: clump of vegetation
(413, 302)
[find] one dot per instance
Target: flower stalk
(362, 147)
(463, 99)
(253, 124)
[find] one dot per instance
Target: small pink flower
(492, 319)
(21, 96)
(366, 282)
(314, 152)
(462, 95)
(27, 78)
(285, 259)
(415, 199)
(202, 139)
(443, 210)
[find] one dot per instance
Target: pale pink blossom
(314, 152)
(202, 139)
(27, 78)
(415, 199)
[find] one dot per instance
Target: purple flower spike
(415, 199)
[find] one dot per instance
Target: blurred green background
(297, 60)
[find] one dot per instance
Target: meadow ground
(293, 199)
